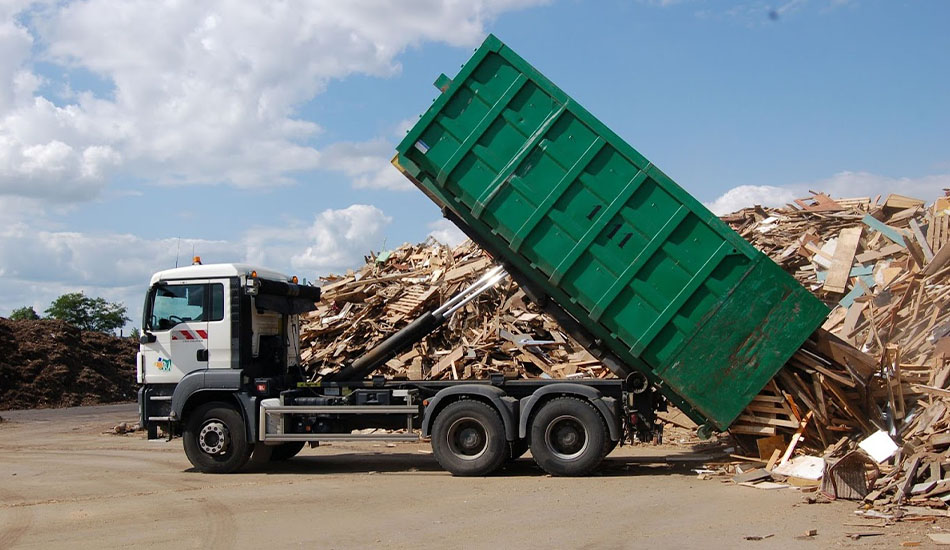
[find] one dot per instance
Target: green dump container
(582, 217)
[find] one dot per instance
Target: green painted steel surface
(641, 264)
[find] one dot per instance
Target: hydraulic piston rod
(365, 364)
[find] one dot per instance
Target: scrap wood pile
(500, 332)
(877, 365)
(883, 267)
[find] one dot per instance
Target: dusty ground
(65, 484)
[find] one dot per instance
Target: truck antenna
(177, 251)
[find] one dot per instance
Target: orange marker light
(196, 260)
(293, 279)
(254, 274)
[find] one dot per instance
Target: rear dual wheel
(568, 437)
(468, 439)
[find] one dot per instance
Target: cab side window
(217, 302)
(174, 304)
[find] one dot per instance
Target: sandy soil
(66, 484)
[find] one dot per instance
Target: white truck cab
(192, 321)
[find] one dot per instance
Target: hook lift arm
(365, 364)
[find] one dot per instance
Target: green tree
(88, 313)
(134, 333)
(25, 313)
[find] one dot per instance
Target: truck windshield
(174, 304)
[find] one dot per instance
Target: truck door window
(177, 304)
(217, 302)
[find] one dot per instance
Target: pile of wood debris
(500, 332)
(882, 266)
(877, 365)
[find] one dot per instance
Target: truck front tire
(568, 437)
(468, 438)
(215, 439)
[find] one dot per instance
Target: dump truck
(677, 305)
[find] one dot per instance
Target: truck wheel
(568, 437)
(286, 451)
(215, 440)
(468, 439)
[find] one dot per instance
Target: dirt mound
(53, 364)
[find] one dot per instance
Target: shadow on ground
(418, 463)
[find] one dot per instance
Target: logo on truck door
(163, 365)
(196, 335)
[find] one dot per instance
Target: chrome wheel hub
(213, 438)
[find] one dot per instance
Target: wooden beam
(890, 232)
(848, 241)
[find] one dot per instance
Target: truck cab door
(176, 314)
(221, 348)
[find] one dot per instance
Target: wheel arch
(204, 386)
(608, 407)
(505, 405)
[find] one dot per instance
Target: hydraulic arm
(365, 364)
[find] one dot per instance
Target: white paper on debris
(879, 446)
(805, 467)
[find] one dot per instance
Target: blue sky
(130, 130)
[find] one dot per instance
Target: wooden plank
(467, 269)
(447, 361)
(871, 255)
(776, 454)
(929, 390)
(851, 320)
(890, 232)
(856, 271)
(848, 241)
(863, 286)
(909, 479)
(900, 202)
(752, 430)
(754, 419)
(768, 445)
(796, 437)
(939, 260)
(821, 203)
(921, 240)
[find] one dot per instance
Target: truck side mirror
(146, 338)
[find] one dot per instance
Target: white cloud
(446, 233)
(367, 164)
(38, 266)
(339, 238)
(740, 197)
(864, 184)
(843, 185)
(201, 92)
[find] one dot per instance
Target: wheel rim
(214, 438)
(468, 439)
(566, 437)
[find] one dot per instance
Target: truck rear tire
(286, 451)
(468, 438)
(215, 439)
(568, 437)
